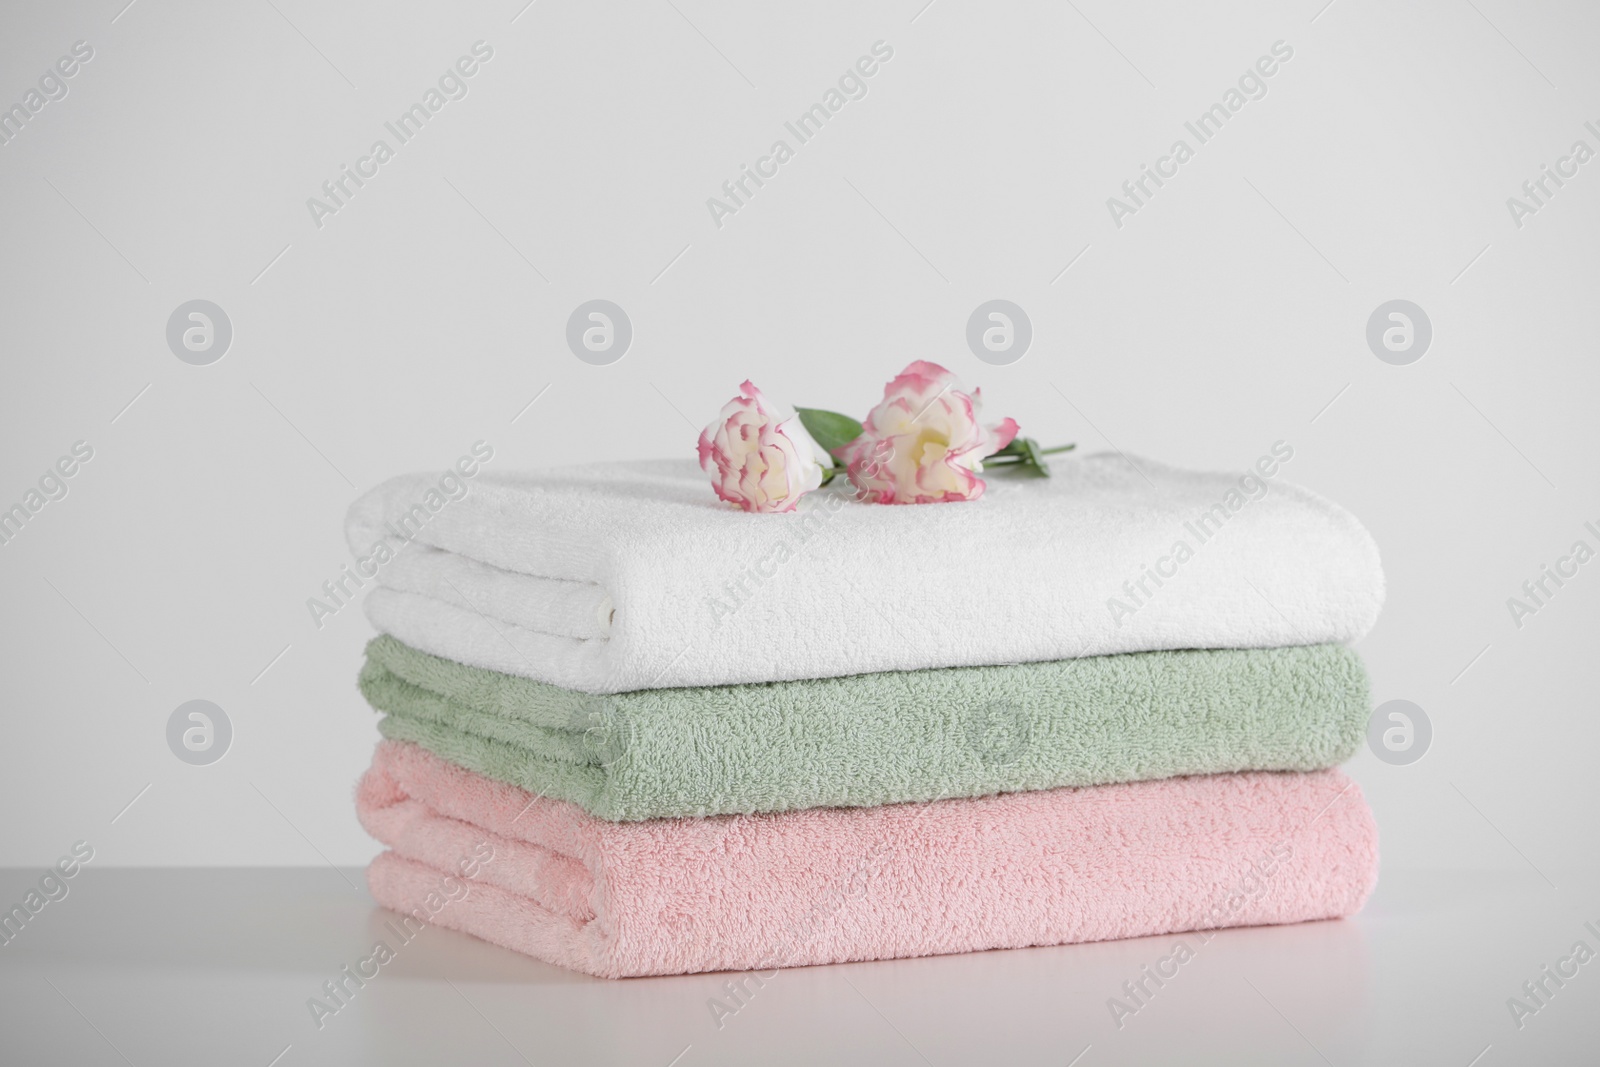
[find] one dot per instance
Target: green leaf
(1015, 448)
(829, 429)
(1036, 457)
(1024, 454)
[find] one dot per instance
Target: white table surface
(215, 966)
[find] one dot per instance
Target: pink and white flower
(758, 454)
(923, 444)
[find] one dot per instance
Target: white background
(1228, 313)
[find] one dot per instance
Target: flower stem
(1014, 458)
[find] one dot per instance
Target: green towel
(879, 738)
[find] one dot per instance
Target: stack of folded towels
(656, 735)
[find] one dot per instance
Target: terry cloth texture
(828, 885)
(879, 738)
(623, 576)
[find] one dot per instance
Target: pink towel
(828, 885)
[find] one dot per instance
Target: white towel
(622, 576)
